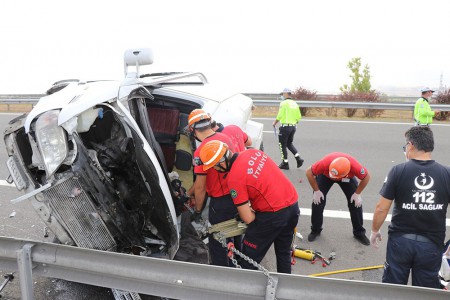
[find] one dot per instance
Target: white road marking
(5, 183)
(354, 121)
(339, 214)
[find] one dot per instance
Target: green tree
(360, 80)
(360, 89)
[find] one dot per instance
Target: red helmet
(198, 115)
(212, 153)
(339, 167)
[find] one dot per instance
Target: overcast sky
(254, 46)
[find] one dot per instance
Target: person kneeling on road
(342, 169)
(269, 207)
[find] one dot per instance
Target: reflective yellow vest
(422, 112)
(289, 112)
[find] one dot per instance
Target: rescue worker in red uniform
(239, 138)
(269, 207)
(211, 183)
(342, 169)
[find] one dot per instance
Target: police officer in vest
(288, 115)
(423, 115)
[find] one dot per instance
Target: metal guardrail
(323, 101)
(363, 105)
(271, 100)
(331, 97)
(20, 99)
(181, 280)
(12, 101)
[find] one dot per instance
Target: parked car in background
(105, 163)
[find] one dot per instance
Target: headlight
(51, 140)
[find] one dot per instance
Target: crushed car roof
(79, 96)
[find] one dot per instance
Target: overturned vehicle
(105, 163)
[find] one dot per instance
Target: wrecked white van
(94, 157)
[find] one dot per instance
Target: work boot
(312, 236)
(362, 239)
(284, 165)
(299, 161)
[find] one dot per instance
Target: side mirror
(137, 58)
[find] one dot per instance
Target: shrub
(355, 96)
(304, 94)
(443, 97)
(348, 96)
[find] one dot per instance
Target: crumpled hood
(74, 99)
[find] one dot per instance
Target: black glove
(184, 198)
(196, 216)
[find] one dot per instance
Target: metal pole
(25, 271)
(271, 288)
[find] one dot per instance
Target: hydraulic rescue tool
(228, 228)
(8, 277)
(314, 256)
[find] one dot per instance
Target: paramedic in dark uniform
(268, 206)
(342, 169)
(211, 183)
(288, 115)
(419, 189)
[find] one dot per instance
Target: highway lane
(377, 145)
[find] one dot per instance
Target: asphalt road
(377, 145)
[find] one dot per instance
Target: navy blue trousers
(269, 228)
(356, 213)
(221, 209)
(403, 256)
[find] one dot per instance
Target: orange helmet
(212, 153)
(339, 167)
(198, 115)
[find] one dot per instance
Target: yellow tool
(347, 270)
(304, 254)
(313, 256)
(299, 252)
